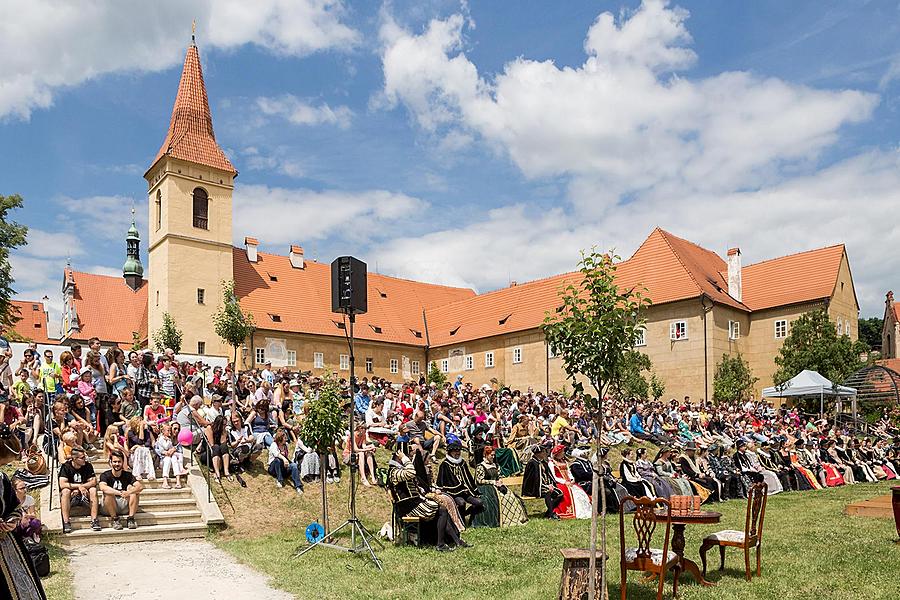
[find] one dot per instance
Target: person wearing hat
(538, 481)
(576, 503)
(709, 488)
(297, 397)
(455, 480)
(748, 462)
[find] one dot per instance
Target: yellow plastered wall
(183, 258)
(843, 304)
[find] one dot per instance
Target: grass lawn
(810, 550)
(58, 585)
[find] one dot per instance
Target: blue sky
(469, 144)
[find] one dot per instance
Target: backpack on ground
(40, 558)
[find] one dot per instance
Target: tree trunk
(598, 488)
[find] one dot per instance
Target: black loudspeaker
(348, 286)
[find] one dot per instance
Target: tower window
(201, 209)
(201, 295)
(158, 209)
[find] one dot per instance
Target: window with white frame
(640, 337)
(260, 356)
(395, 365)
(292, 358)
(414, 367)
(678, 330)
(517, 356)
(370, 365)
(345, 362)
(840, 327)
(847, 327)
(318, 360)
(734, 330)
(488, 360)
(469, 362)
(780, 329)
(445, 365)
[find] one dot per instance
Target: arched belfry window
(158, 209)
(201, 208)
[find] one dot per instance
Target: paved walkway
(142, 570)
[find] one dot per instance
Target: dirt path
(151, 570)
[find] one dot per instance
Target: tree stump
(576, 574)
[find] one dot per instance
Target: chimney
(734, 274)
(297, 257)
(250, 243)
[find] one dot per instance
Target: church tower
(133, 270)
(189, 246)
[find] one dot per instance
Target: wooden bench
(515, 481)
(408, 525)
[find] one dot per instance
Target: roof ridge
(665, 236)
(811, 250)
(416, 281)
(503, 289)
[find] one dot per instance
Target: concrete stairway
(164, 514)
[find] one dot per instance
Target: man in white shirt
(267, 374)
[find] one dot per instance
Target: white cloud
(48, 45)
(728, 159)
(301, 112)
(278, 161)
(45, 244)
(281, 216)
(105, 217)
(622, 122)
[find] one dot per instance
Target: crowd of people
(451, 446)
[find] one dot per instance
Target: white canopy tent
(809, 383)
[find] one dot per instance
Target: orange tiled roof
(33, 322)
(803, 277)
(301, 299)
(190, 136)
(669, 267)
(108, 309)
(890, 363)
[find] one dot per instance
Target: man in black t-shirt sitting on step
(121, 492)
(78, 487)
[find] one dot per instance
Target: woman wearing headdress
(748, 462)
(631, 479)
(646, 470)
(502, 507)
(666, 469)
(576, 504)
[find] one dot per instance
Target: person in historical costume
(771, 460)
(809, 460)
(721, 465)
(576, 503)
(831, 461)
(748, 462)
(806, 479)
(455, 479)
(857, 456)
(502, 507)
(18, 579)
(711, 487)
(632, 480)
(645, 468)
(538, 482)
(666, 469)
(409, 500)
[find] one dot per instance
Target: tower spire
(133, 270)
(193, 32)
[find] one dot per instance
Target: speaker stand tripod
(358, 531)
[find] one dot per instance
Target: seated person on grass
(121, 492)
(416, 430)
(78, 487)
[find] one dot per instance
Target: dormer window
(339, 324)
(504, 319)
(418, 334)
(375, 328)
(276, 318)
(201, 208)
(453, 331)
(272, 277)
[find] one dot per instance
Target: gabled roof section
(301, 299)
(803, 277)
(108, 309)
(190, 136)
(32, 324)
(672, 269)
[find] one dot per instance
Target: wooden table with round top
(680, 520)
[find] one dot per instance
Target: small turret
(133, 270)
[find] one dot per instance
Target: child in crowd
(178, 455)
(68, 442)
(155, 413)
(87, 390)
(112, 441)
(169, 457)
(140, 440)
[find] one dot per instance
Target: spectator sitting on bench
(121, 492)
(78, 487)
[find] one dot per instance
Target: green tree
(322, 427)
(814, 344)
(435, 375)
(12, 235)
(232, 325)
(136, 341)
(733, 379)
(870, 332)
(593, 331)
(168, 336)
(657, 387)
(632, 383)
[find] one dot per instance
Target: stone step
(144, 518)
(156, 493)
(147, 533)
(157, 505)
